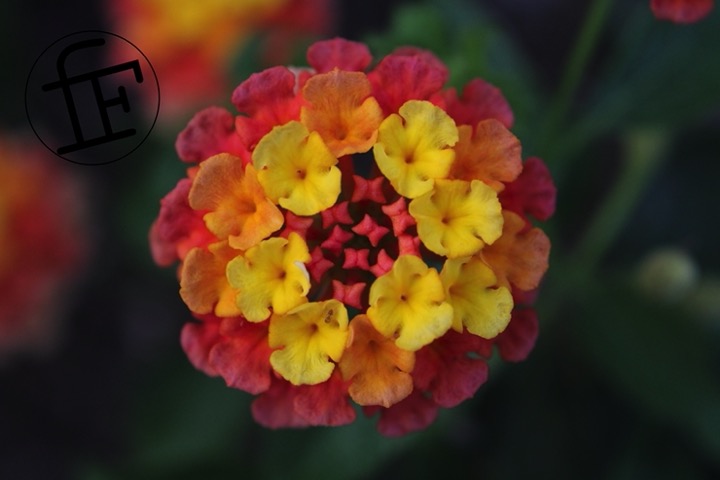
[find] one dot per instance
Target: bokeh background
(624, 382)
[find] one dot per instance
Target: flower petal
(203, 284)
(242, 356)
(297, 170)
(342, 111)
(477, 305)
(479, 101)
(310, 337)
(339, 53)
(489, 152)
(409, 74)
(325, 404)
(269, 98)
(379, 370)
(413, 148)
(209, 132)
(275, 408)
(518, 339)
(533, 191)
(451, 368)
(457, 218)
(412, 414)
(178, 228)
(238, 207)
(520, 256)
(271, 274)
(197, 339)
(408, 304)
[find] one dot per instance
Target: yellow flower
(310, 337)
(297, 170)
(408, 303)
(239, 209)
(457, 218)
(271, 274)
(470, 288)
(413, 153)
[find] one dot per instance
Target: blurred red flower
(681, 11)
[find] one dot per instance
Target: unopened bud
(667, 274)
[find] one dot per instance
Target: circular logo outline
(157, 88)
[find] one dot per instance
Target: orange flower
(379, 371)
(342, 111)
(520, 256)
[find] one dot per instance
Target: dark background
(623, 383)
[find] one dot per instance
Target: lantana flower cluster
(43, 245)
(191, 44)
(356, 234)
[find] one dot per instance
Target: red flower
(43, 242)
(681, 11)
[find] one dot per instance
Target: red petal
(275, 408)
(242, 356)
(178, 227)
(681, 11)
(209, 132)
(518, 339)
(338, 53)
(326, 403)
(479, 101)
(447, 370)
(268, 98)
(532, 192)
(197, 339)
(410, 74)
(414, 413)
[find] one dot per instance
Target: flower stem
(576, 66)
(644, 149)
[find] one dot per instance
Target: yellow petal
(457, 218)
(413, 148)
(271, 274)
(408, 304)
(310, 338)
(470, 287)
(297, 170)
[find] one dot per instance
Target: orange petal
(520, 255)
(239, 209)
(491, 154)
(379, 370)
(342, 111)
(203, 285)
